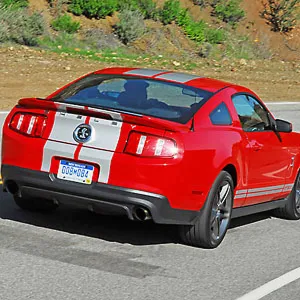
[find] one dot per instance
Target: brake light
(142, 144)
(32, 125)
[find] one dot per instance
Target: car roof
(208, 84)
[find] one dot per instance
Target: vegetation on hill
(144, 22)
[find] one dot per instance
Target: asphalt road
(74, 254)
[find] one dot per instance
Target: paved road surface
(73, 254)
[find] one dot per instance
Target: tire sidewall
(205, 214)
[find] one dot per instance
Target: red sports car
(153, 144)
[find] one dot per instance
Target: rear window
(170, 101)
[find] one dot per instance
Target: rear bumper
(97, 196)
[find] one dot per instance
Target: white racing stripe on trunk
(62, 131)
(64, 126)
(56, 149)
(100, 157)
(106, 136)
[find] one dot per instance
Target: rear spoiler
(103, 113)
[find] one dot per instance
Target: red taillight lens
(28, 124)
(142, 144)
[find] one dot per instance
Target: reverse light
(32, 125)
(142, 144)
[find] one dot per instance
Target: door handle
(257, 146)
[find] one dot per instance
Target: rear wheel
(291, 210)
(213, 221)
(35, 204)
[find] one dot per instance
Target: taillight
(32, 125)
(142, 144)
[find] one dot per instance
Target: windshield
(170, 101)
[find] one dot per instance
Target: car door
(267, 160)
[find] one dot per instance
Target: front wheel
(212, 224)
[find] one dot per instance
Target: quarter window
(253, 116)
(221, 115)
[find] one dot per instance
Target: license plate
(76, 172)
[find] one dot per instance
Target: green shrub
(170, 11)
(229, 11)
(196, 31)
(20, 27)
(15, 4)
(66, 24)
(183, 18)
(280, 14)
(215, 36)
(131, 25)
(146, 7)
(94, 8)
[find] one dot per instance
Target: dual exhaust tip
(140, 213)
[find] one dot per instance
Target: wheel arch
(231, 169)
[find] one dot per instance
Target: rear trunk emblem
(82, 133)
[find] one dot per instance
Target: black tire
(35, 204)
(291, 211)
(213, 221)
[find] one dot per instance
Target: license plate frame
(75, 172)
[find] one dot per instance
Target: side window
(220, 115)
(252, 114)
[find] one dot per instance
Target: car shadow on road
(78, 221)
(109, 228)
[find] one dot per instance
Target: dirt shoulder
(27, 72)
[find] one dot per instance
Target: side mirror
(283, 126)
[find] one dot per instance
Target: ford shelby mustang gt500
(152, 144)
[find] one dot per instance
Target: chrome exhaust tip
(141, 214)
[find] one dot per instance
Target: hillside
(252, 55)
(170, 39)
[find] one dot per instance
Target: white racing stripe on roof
(145, 72)
(179, 77)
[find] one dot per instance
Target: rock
(243, 62)
(176, 63)
(67, 68)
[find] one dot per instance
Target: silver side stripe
(145, 72)
(263, 191)
(241, 192)
(268, 188)
(179, 77)
(240, 196)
